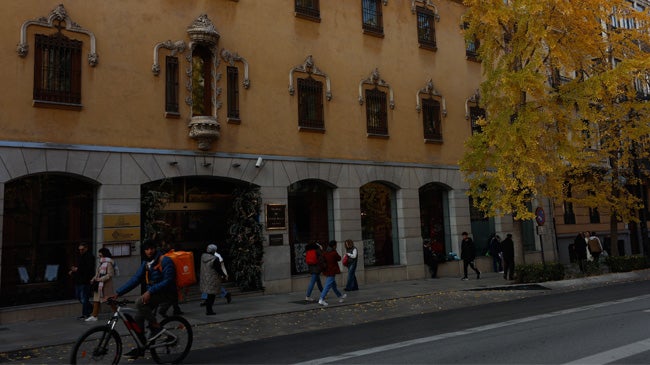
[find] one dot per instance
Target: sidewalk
(27, 335)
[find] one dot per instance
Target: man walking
(508, 248)
(82, 271)
(468, 254)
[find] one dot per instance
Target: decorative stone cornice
(57, 17)
(310, 68)
(231, 58)
(175, 47)
(375, 80)
(430, 91)
(426, 4)
(203, 31)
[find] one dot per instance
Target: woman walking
(352, 254)
(211, 272)
(102, 282)
(332, 258)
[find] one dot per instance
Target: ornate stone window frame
(474, 99)
(310, 68)
(59, 14)
(204, 129)
(174, 47)
(430, 91)
(231, 58)
(425, 4)
(375, 80)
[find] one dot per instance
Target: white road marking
(615, 354)
(489, 327)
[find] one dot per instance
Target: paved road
(593, 326)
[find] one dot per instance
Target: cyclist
(157, 272)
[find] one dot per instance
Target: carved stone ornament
(231, 58)
(426, 4)
(57, 17)
(474, 99)
(430, 91)
(375, 80)
(310, 68)
(203, 31)
(204, 130)
(175, 47)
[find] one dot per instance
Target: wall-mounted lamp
(236, 164)
(173, 163)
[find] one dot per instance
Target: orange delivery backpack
(184, 264)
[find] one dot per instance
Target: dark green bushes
(626, 263)
(535, 273)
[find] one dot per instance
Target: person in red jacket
(332, 258)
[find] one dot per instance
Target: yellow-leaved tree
(565, 90)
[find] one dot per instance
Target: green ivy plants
(246, 238)
(626, 263)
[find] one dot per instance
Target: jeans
(496, 263)
(224, 292)
(352, 278)
(315, 279)
(469, 263)
(82, 293)
(330, 283)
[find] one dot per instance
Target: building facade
(350, 116)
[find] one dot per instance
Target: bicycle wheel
(175, 343)
(98, 345)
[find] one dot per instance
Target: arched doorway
(310, 218)
(45, 217)
(378, 224)
(434, 217)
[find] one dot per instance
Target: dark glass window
(426, 28)
(376, 113)
(569, 214)
(377, 225)
(309, 9)
(475, 113)
(431, 119)
(171, 85)
(201, 81)
(310, 103)
(57, 70)
(233, 93)
(372, 17)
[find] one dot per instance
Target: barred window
(372, 17)
(426, 28)
(233, 93)
(376, 112)
(308, 9)
(57, 70)
(171, 85)
(431, 119)
(310, 104)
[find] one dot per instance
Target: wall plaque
(276, 216)
(276, 240)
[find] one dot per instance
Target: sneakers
(134, 353)
(464, 279)
(91, 319)
(342, 297)
(309, 299)
(228, 298)
(322, 302)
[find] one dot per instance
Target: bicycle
(103, 343)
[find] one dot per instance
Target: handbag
(346, 260)
(94, 286)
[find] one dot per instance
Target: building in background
(349, 116)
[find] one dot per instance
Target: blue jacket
(162, 277)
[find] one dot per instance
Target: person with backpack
(494, 249)
(158, 274)
(313, 258)
(595, 246)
